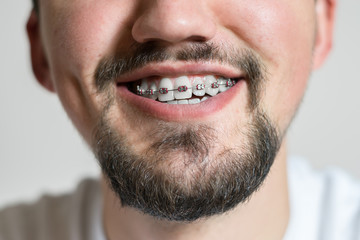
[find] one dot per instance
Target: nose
(174, 21)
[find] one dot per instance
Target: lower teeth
(188, 101)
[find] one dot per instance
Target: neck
(264, 216)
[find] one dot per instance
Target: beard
(179, 177)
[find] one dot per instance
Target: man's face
(97, 54)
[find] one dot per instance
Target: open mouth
(182, 89)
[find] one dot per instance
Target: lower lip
(180, 112)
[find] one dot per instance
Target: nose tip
(174, 21)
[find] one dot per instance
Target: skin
(69, 38)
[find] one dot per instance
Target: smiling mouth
(183, 89)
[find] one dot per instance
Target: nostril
(197, 39)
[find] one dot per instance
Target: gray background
(40, 151)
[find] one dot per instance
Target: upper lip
(176, 69)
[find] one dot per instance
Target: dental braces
(229, 83)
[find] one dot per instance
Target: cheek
(291, 62)
(77, 34)
(282, 33)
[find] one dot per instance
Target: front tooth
(183, 102)
(198, 87)
(182, 88)
(210, 85)
(152, 89)
(194, 101)
(165, 94)
(172, 102)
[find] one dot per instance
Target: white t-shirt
(324, 206)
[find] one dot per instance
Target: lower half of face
(183, 162)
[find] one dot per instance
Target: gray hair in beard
(205, 185)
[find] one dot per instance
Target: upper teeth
(183, 87)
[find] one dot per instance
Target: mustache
(113, 67)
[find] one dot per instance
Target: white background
(41, 152)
